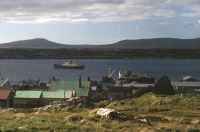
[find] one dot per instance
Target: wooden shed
(28, 98)
(51, 96)
(6, 96)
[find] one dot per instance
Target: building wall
(8, 102)
(186, 90)
(29, 103)
(3, 103)
(47, 101)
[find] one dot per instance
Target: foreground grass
(164, 113)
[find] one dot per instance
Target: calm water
(17, 70)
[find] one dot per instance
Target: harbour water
(17, 70)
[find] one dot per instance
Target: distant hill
(156, 43)
(40, 43)
(33, 43)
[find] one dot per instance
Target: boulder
(107, 113)
(84, 122)
(195, 121)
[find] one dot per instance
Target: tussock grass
(163, 112)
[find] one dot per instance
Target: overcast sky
(98, 21)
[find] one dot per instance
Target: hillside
(37, 43)
(40, 43)
(148, 113)
(144, 48)
(156, 43)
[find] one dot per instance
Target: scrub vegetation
(149, 112)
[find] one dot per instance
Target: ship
(69, 65)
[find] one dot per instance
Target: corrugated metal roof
(54, 94)
(4, 94)
(143, 85)
(28, 94)
(82, 92)
(138, 85)
(72, 85)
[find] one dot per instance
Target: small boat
(69, 65)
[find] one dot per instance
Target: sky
(98, 21)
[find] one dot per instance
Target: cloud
(43, 11)
(198, 21)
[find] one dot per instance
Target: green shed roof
(54, 94)
(73, 86)
(28, 94)
(82, 92)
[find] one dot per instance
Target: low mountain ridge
(157, 43)
(154, 43)
(37, 43)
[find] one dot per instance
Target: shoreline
(107, 58)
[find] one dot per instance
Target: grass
(165, 113)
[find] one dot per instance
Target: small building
(51, 96)
(6, 96)
(186, 87)
(28, 98)
(126, 90)
(79, 88)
